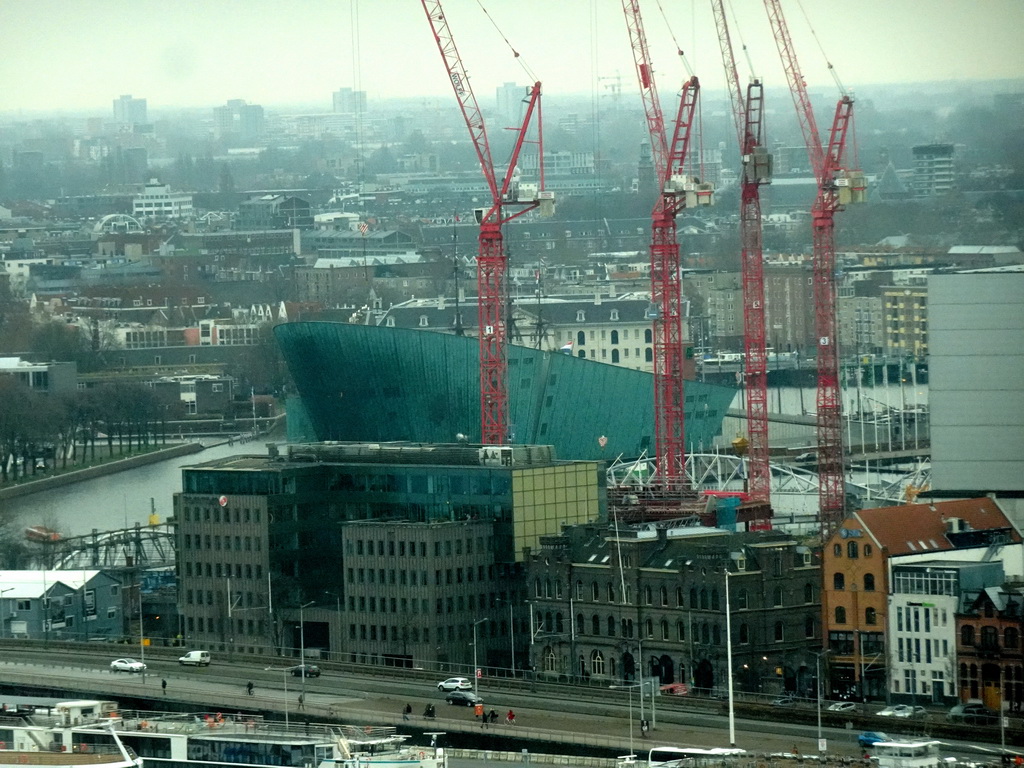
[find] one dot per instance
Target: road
(595, 718)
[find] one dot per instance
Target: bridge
(142, 547)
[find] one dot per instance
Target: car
(305, 670)
(870, 738)
(675, 689)
(127, 665)
(902, 710)
(465, 698)
(972, 714)
(784, 701)
(455, 684)
(843, 706)
(195, 658)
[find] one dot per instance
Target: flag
(567, 348)
(363, 227)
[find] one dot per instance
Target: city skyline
(80, 57)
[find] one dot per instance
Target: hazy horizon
(76, 58)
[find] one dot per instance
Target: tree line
(41, 432)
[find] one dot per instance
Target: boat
(25, 743)
(907, 754)
(41, 533)
(211, 739)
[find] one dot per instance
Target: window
(741, 600)
(1011, 638)
(840, 615)
(967, 635)
(837, 550)
(809, 626)
(780, 631)
(744, 634)
(869, 581)
(851, 549)
(777, 596)
(989, 637)
(870, 616)
(808, 593)
(597, 663)
(838, 582)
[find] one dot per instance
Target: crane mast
(676, 191)
(757, 169)
(492, 262)
(835, 188)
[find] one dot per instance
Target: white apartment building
(158, 202)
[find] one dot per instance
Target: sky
(79, 55)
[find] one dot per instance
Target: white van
(198, 658)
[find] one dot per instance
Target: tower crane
(492, 261)
(836, 187)
(757, 170)
(676, 191)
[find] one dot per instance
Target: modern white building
(157, 201)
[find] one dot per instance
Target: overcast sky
(81, 54)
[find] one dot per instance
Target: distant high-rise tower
(933, 170)
(129, 111)
(347, 101)
(238, 119)
(510, 99)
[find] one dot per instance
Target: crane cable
(675, 40)
(515, 53)
(743, 43)
(831, 69)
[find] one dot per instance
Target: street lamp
(302, 644)
(630, 688)
(728, 658)
(284, 676)
(817, 684)
(6, 614)
(476, 671)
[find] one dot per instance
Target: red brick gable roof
(917, 528)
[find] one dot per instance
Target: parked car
(465, 698)
(195, 658)
(305, 670)
(870, 738)
(843, 706)
(784, 701)
(972, 714)
(902, 710)
(675, 689)
(126, 665)
(455, 684)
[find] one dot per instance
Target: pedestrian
(407, 711)
(510, 718)
(494, 716)
(302, 700)
(644, 727)
(249, 687)
(163, 686)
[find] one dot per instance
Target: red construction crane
(836, 187)
(492, 262)
(676, 191)
(757, 170)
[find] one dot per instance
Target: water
(114, 501)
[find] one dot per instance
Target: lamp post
(728, 659)
(476, 671)
(284, 676)
(302, 645)
(630, 688)
(817, 685)
(6, 614)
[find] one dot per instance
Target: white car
(126, 665)
(455, 684)
(843, 706)
(902, 710)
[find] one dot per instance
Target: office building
(129, 110)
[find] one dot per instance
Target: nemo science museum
(379, 384)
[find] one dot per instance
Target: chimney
(597, 299)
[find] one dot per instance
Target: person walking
(407, 711)
(163, 686)
(249, 687)
(510, 718)
(644, 727)
(302, 701)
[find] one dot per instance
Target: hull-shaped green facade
(378, 384)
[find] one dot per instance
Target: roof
(918, 528)
(32, 584)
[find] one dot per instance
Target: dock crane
(676, 191)
(836, 187)
(757, 171)
(492, 261)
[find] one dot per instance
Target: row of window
(703, 599)
(703, 632)
(853, 549)
(870, 615)
(909, 649)
(213, 570)
(392, 548)
(582, 336)
(210, 625)
(220, 514)
(989, 637)
(839, 582)
(216, 543)
(911, 615)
